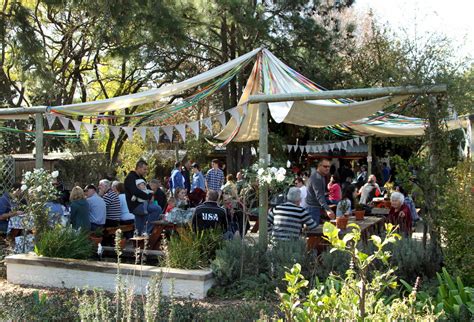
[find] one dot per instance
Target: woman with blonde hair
(79, 210)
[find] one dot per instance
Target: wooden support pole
(39, 140)
(263, 163)
(369, 155)
(349, 93)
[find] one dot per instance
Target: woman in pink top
(334, 190)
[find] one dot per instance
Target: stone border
(34, 270)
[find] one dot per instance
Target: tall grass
(64, 242)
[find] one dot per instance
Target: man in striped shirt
(286, 221)
(112, 204)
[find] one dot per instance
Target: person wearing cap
(97, 207)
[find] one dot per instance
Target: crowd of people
(329, 193)
(212, 200)
(188, 196)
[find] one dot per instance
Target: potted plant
(359, 211)
(97, 235)
(341, 222)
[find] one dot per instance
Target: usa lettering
(210, 217)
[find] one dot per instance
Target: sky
(452, 18)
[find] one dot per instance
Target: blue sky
(453, 18)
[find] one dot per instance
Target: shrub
(190, 250)
(359, 295)
(413, 260)
(243, 269)
(236, 260)
(65, 242)
(457, 223)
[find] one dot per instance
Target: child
(140, 183)
(171, 204)
(344, 206)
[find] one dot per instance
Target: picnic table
(368, 226)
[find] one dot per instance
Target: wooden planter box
(29, 269)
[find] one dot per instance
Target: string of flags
(315, 148)
(195, 126)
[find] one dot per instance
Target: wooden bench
(108, 231)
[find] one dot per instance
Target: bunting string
(326, 147)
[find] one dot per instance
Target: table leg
(155, 238)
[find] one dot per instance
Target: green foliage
(96, 305)
(457, 222)
(65, 242)
(356, 297)
(37, 190)
(36, 306)
(86, 167)
(198, 150)
(413, 260)
(192, 250)
(454, 300)
(245, 270)
(132, 152)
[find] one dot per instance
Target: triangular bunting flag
(338, 145)
(221, 118)
(65, 122)
(356, 140)
(344, 144)
(245, 109)
(89, 128)
(50, 118)
(289, 147)
(142, 131)
(195, 127)
(351, 142)
(208, 123)
(156, 133)
(331, 146)
(168, 131)
(234, 113)
(362, 138)
(77, 126)
(182, 130)
(115, 130)
(129, 131)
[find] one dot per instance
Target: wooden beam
(350, 93)
(263, 163)
(39, 140)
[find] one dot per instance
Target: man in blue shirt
(198, 178)
(177, 179)
(97, 208)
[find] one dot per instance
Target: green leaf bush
(65, 242)
(357, 296)
(190, 250)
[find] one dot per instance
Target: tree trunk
(436, 180)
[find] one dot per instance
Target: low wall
(29, 269)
